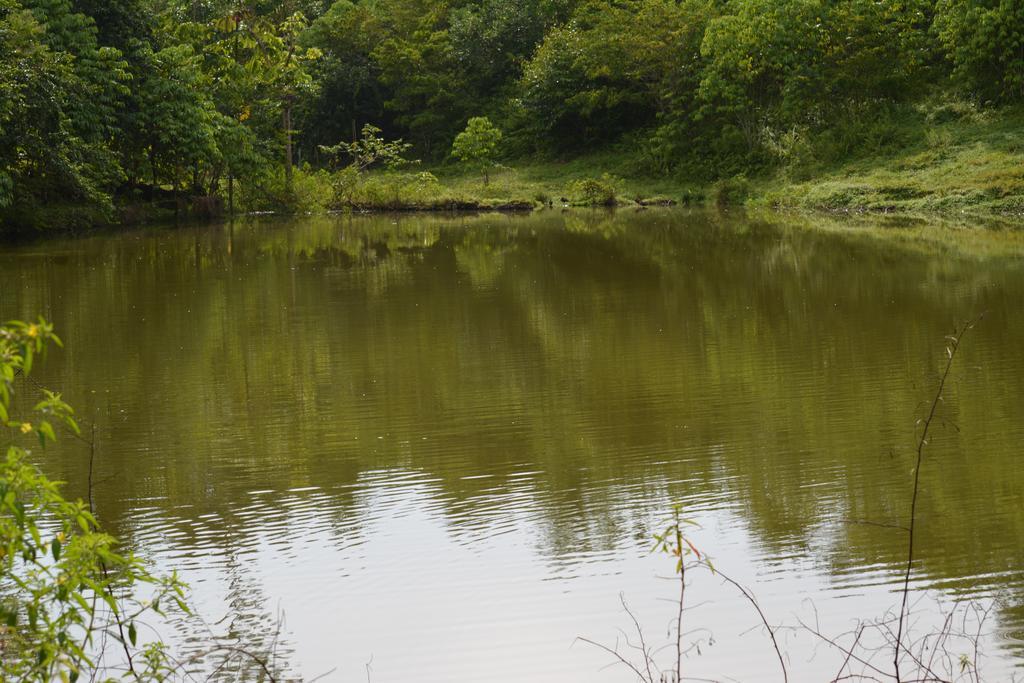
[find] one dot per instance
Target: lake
(437, 448)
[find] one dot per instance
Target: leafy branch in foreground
(64, 588)
(71, 605)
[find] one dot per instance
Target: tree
(287, 74)
(478, 144)
(615, 67)
(764, 65)
(985, 41)
(179, 117)
(417, 65)
(59, 92)
(256, 73)
(491, 40)
(350, 93)
(370, 149)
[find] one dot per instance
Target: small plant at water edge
(593, 191)
(478, 145)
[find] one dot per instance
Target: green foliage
(370, 149)
(593, 192)
(348, 78)
(66, 586)
(730, 191)
(984, 40)
(675, 542)
(417, 66)
(142, 101)
(397, 191)
(763, 65)
(613, 67)
(478, 144)
(58, 94)
(492, 38)
(179, 119)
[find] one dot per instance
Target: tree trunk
(287, 122)
(177, 207)
(152, 171)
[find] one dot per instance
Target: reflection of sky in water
(402, 583)
(445, 444)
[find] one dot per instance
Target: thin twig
(847, 651)
(882, 525)
(92, 459)
(951, 352)
(764, 620)
(846, 662)
(640, 633)
(616, 654)
(682, 600)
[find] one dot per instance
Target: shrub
(730, 191)
(593, 192)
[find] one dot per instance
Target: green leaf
(46, 429)
(181, 605)
(111, 603)
(55, 549)
(131, 632)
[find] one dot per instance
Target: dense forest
(108, 102)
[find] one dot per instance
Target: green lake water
(436, 448)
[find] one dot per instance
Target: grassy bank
(598, 179)
(957, 160)
(951, 159)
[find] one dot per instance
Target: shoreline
(1011, 220)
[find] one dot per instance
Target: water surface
(436, 448)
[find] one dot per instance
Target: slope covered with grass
(954, 160)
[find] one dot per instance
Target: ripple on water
(445, 444)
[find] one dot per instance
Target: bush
(593, 192)
(730, 191)
(311, 192)
(948, 112)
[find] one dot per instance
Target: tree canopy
(152, 99)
